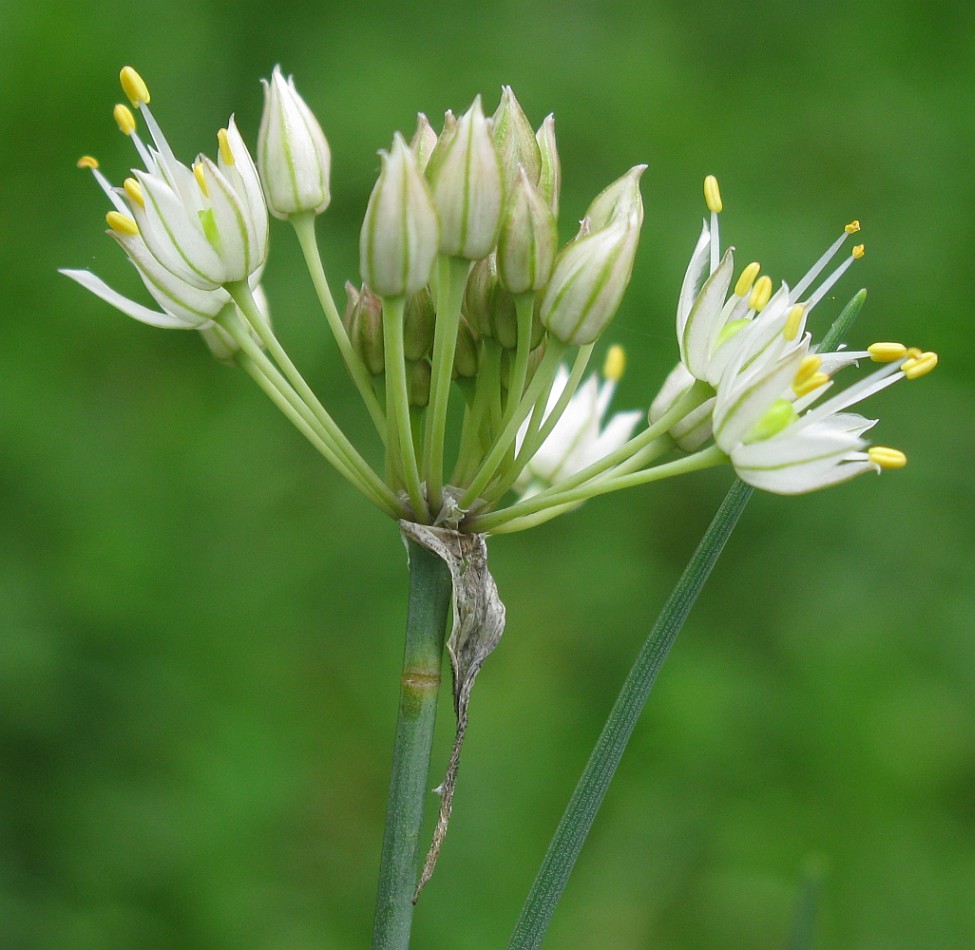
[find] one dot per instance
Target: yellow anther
(761, 293)
(615, 364)
(858, 251)
(887, 352)
(747, 279)
(852, 227)
(807, 367)
(792, 322)
(913, 352)
(121, 223)
(200, 180)
(810, 384)
(133, 86)
(920, 366)
(886, 458)
(712, 196)
(134, 190)
(86, 161)
(226, 155)
(124, 119)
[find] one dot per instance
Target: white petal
(129, 307)
(702, 326)
(693, 278)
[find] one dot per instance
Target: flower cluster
(466, 293)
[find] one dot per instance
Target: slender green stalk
(588, 796)
(398, 404)
(244, 298)
(304, 225)
(429, 602)
(540, 384)
(495, 521)
(303, 420)
(451, 281)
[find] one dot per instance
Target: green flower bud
(550, 177)
(293, 157)
(419, 320)
(467, 188)
(418, 383)
(399, 237)
(490, 308)
(465, 353)
(621, 198)
(364, 323)
(588, 283)
(515, 140)
(424, 141)
(529, 239)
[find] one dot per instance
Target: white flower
(710, 312)
(760, 423)
(293, 156)
(579, 438)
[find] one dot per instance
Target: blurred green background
(200, 623)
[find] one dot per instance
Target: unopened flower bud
(364, 323)
(419, 320)
(488, 306)
(529, 239)
(515, 140)
(550, 177)
(587, 285)
(418, 383)
(447, 133)
(399, 237)
(467, 188)
(465, 353)
(424, 141)
(621, 198)
(293, 156)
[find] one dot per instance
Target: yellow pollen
(86, 161)
(852, 227)
(121, 223)
(807, 367)
(124, 119)
(133, 86)
(712, 196)
(615, 364)
(792, 323)
(761, 293)
(134, 190)
(887, 352)
(920, 366)
(811, 383)
(747, 279)
(225, 154)
(200, 180)
(858, 251)
(886, 458)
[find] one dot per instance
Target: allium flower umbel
(467, 298)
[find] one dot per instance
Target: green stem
(497, 520)
(451, 281)
(398, 404)
(304, 225)
(541, 383)
(429, 601)
(244, 298)
(588, 796)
